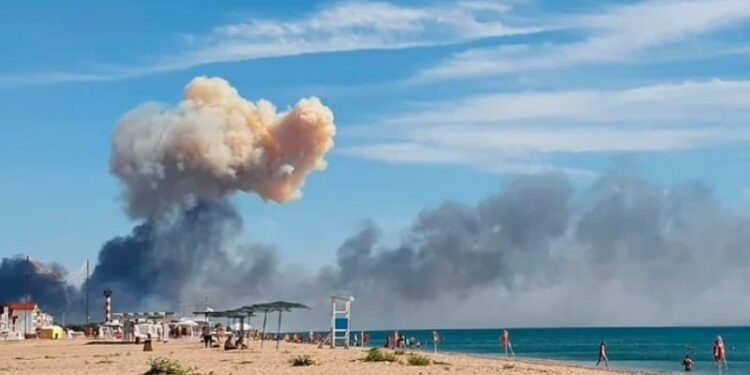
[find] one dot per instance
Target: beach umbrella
(241, 313)
(280, 307)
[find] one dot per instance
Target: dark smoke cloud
(180, 259)
(624, 251)
(44, 284)
(457, 248)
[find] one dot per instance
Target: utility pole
(87, 291)
(26, 293)
(26, 281)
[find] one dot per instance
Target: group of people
(399, 341)
(718, 351)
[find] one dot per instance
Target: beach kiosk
(340, 320)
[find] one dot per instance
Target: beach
(82, 357)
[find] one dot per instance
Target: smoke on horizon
(624, 251)
(538, 252)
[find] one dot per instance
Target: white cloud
(618, 34)
(345, 26)
(509, 132)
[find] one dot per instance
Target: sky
(433, 101)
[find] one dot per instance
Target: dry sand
(76, 357)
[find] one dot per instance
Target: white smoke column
(215, 143)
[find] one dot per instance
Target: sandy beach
(81, 357)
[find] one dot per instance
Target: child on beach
(602, 354)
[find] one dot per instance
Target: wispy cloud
(344, 26)
(617, 34)
(507, 131)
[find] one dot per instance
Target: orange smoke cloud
(215, 143)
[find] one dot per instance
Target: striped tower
(107, 306)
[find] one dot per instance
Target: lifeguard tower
(341, 321)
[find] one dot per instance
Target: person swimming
(687, 363)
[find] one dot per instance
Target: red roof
(23, 306)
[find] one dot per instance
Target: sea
(656, 349)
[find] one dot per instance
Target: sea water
(656, 349)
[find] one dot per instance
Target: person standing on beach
(720, 354)
(435, 340)
(603, 354)
(207, 339)
(505, 342)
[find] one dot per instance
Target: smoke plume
(169, 262)
(215, 143)
(625, 251)
(538, 252)
(44, 284)
(457, 248)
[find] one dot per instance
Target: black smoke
(44, 284)
(180, 259)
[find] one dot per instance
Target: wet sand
(79, 357)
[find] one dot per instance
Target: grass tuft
(418, 360)
(166, 366)
(302, 360)
(377, 355)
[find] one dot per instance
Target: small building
(4, 321)
(21, 319)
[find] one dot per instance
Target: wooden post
(278, 332)
(263, 333)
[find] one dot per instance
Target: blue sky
(433, 101)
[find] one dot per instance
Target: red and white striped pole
(107, 306)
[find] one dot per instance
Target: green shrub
(418, 360)
(166, 366)
(377, 355)
(302, 360)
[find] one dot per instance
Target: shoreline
(80, 357)
(560, 362)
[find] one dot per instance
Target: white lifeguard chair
(340, 321)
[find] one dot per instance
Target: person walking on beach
(207, 339)
(687, 363)
(603, 354)
(505, 343)
(435, 340)
(720, 354)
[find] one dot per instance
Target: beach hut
(280, 306)
(52, 333)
